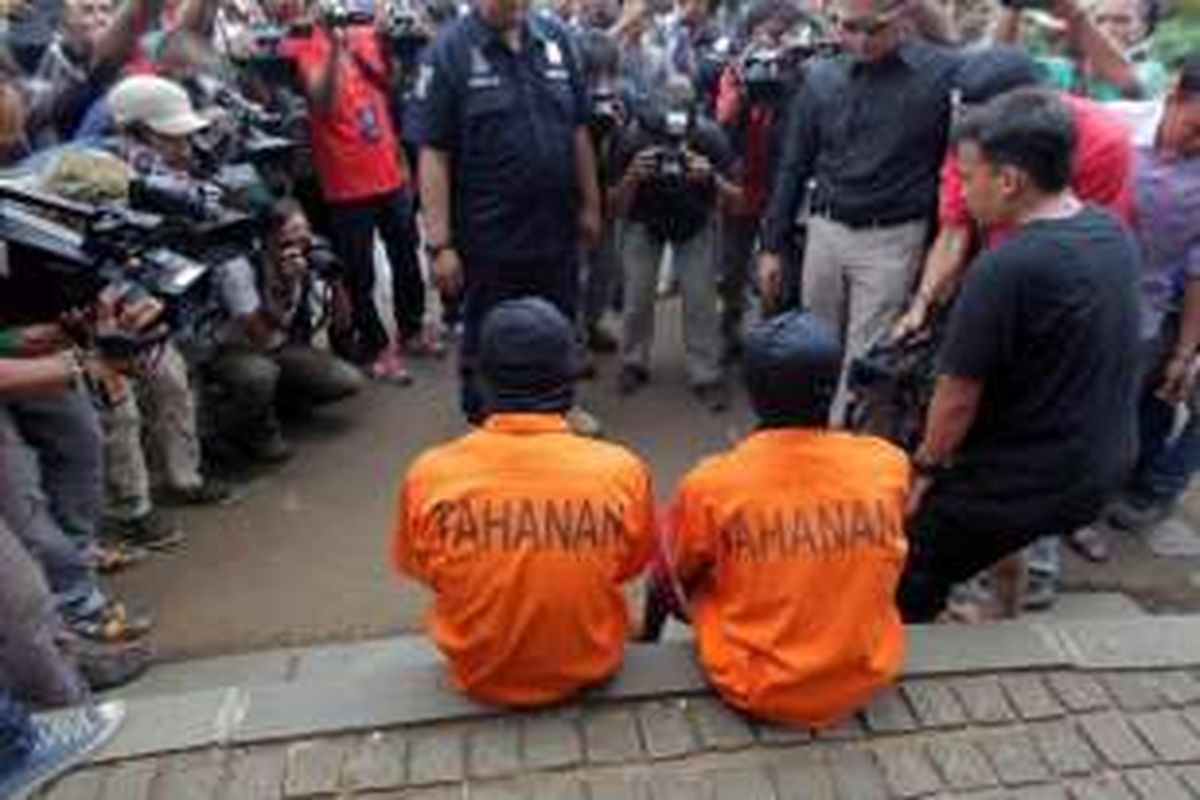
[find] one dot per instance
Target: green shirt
(1063, 73)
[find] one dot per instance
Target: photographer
(675, 171)
(752, 98)
(266, 358)
(344, 73)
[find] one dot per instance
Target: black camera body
(669, 130)
(344, 14)
(405, 35)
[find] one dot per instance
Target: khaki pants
(858, 281)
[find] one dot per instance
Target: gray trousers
(151, 430)
(256, 382)
(31, 664)
(695, 264)
(858, 280)
(26, 483)
(601, 267)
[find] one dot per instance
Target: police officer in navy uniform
(508, 179)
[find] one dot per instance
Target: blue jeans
(26, 492)
(1164, 465)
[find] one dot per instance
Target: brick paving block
(1031, 697)
(502, 790)
(805, 775)
(190, 776)
(889, 713)
(846, 730)
(856, 775)
(934, 703)
(665, 728)
(1190, 775)
(1169, 736)
(1108, 786)
(314, 767)
(1155, 783)
(1133, 691)
(611, 735)
(255, 773)
(76, 786)
(962, 766)
(742, 784)
(906, 770)
(1115, 740)
(778, 733)
(129, 780)
(436, 755)
(665, 786)
(377, 761)
(557, 788)
(493, 748)
(552, 740)
(1064, 748)
(719, 726)
(1178, 688)
(1014, 757)
(1078, 691)
(617, 787)
(1048, 791)
(984, 700)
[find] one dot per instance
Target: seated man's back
(526, 531)
(790, 545)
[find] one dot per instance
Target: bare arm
(321, 88)
(932, 23)
(951, 413)
(589, 187)
(28, 377)
(1008, 26)
(198, 17)
(1102, 55)
(1175, 383)
(434, 172)
(119, 39)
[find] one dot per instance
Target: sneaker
(1135, 514)
(109, 624)
(713, 396)
(599, 340)
(1090, 543)
(109, 666)
(1041, 593)
(207, 493)
(389, 367)
(152, 531)
(583, 423)
(61, 741)
(632, 378)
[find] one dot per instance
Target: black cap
(992, 71)
(791, 365)
(525, 356)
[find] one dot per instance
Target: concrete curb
(416, 690)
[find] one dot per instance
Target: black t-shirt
(1048, 322)
(674, 208)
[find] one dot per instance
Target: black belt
(862, 221)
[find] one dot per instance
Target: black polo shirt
(508, 121)
(870, 136)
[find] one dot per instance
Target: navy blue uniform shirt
(508, 121)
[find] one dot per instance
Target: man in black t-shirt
(673, 168)
(1031, 426)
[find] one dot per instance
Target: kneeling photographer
(674, 171)
(265, 358)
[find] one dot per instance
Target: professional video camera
(405, 33)
(769, 71)
(62, 254)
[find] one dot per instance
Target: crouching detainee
(786, 550)
(524, 530)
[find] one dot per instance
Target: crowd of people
(1000, 207)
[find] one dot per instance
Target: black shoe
(713, 396)
(269, 450)
(108, 666)
(600, 340)
(152, 530)
(631, 378)
(209, 493)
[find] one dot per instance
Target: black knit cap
(992, 71)
(791, 366)
(525, 357)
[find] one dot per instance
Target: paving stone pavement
(1025, 735)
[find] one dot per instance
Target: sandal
(112, 556)
(110, 624)
(1090, 544)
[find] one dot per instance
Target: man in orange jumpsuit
(786, 550)
(524, 530)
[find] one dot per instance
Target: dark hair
(1189, 74)
(280, 212)
(764, 11)
(1030, 129)
(599, 54)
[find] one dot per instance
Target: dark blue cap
(791, 366)
(526, 356)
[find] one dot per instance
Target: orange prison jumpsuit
(526, 532)
(791, 546)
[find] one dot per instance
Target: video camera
(768, 72)
(668, 129)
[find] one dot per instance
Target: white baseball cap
(161, 105)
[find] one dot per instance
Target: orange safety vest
(525, 532)
(791, 546)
